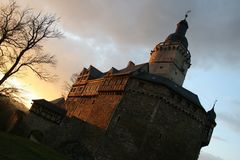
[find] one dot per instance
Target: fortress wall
(153, 122)
(74, 138)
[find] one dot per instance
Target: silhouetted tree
(11, 92)
(21, 34)
(68, 85)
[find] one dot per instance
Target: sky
(109, 33)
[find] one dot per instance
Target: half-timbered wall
(96, 100)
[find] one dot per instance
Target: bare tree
(68, 85)
(21, 34)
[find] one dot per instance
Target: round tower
(171, 58)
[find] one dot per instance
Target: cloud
(134, 27)
(232, 119)
(110, 33)
(208, 156)
(219, 138)
(213, 26)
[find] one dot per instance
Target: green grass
(17, 148)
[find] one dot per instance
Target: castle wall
(153, 122)
(102, 110)
(38, 123)
(75, 138)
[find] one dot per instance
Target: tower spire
(180, 32)
(214, 103)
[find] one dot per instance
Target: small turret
(211, 123)
(211, 115)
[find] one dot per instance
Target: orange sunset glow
(33, 88)
(108, 34)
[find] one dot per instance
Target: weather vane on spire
(186, 15)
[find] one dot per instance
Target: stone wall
(170, 61)
(37, 123)
(74, 138)
(153, 122)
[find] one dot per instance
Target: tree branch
(21, 34)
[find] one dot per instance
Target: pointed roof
(112, 70)
(179, 35)
(130, 64)
(132, 68)
(94, 72)
(84, 71)
(59, 101)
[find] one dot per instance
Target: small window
(161, 67)
(80, 89)
(73, 89)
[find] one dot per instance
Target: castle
(139, 112)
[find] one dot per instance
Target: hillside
(17, 148)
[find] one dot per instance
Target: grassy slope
(17, 148)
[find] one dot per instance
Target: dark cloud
(129, 30)
(208, 156)
(213, 34)
(134, 27)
